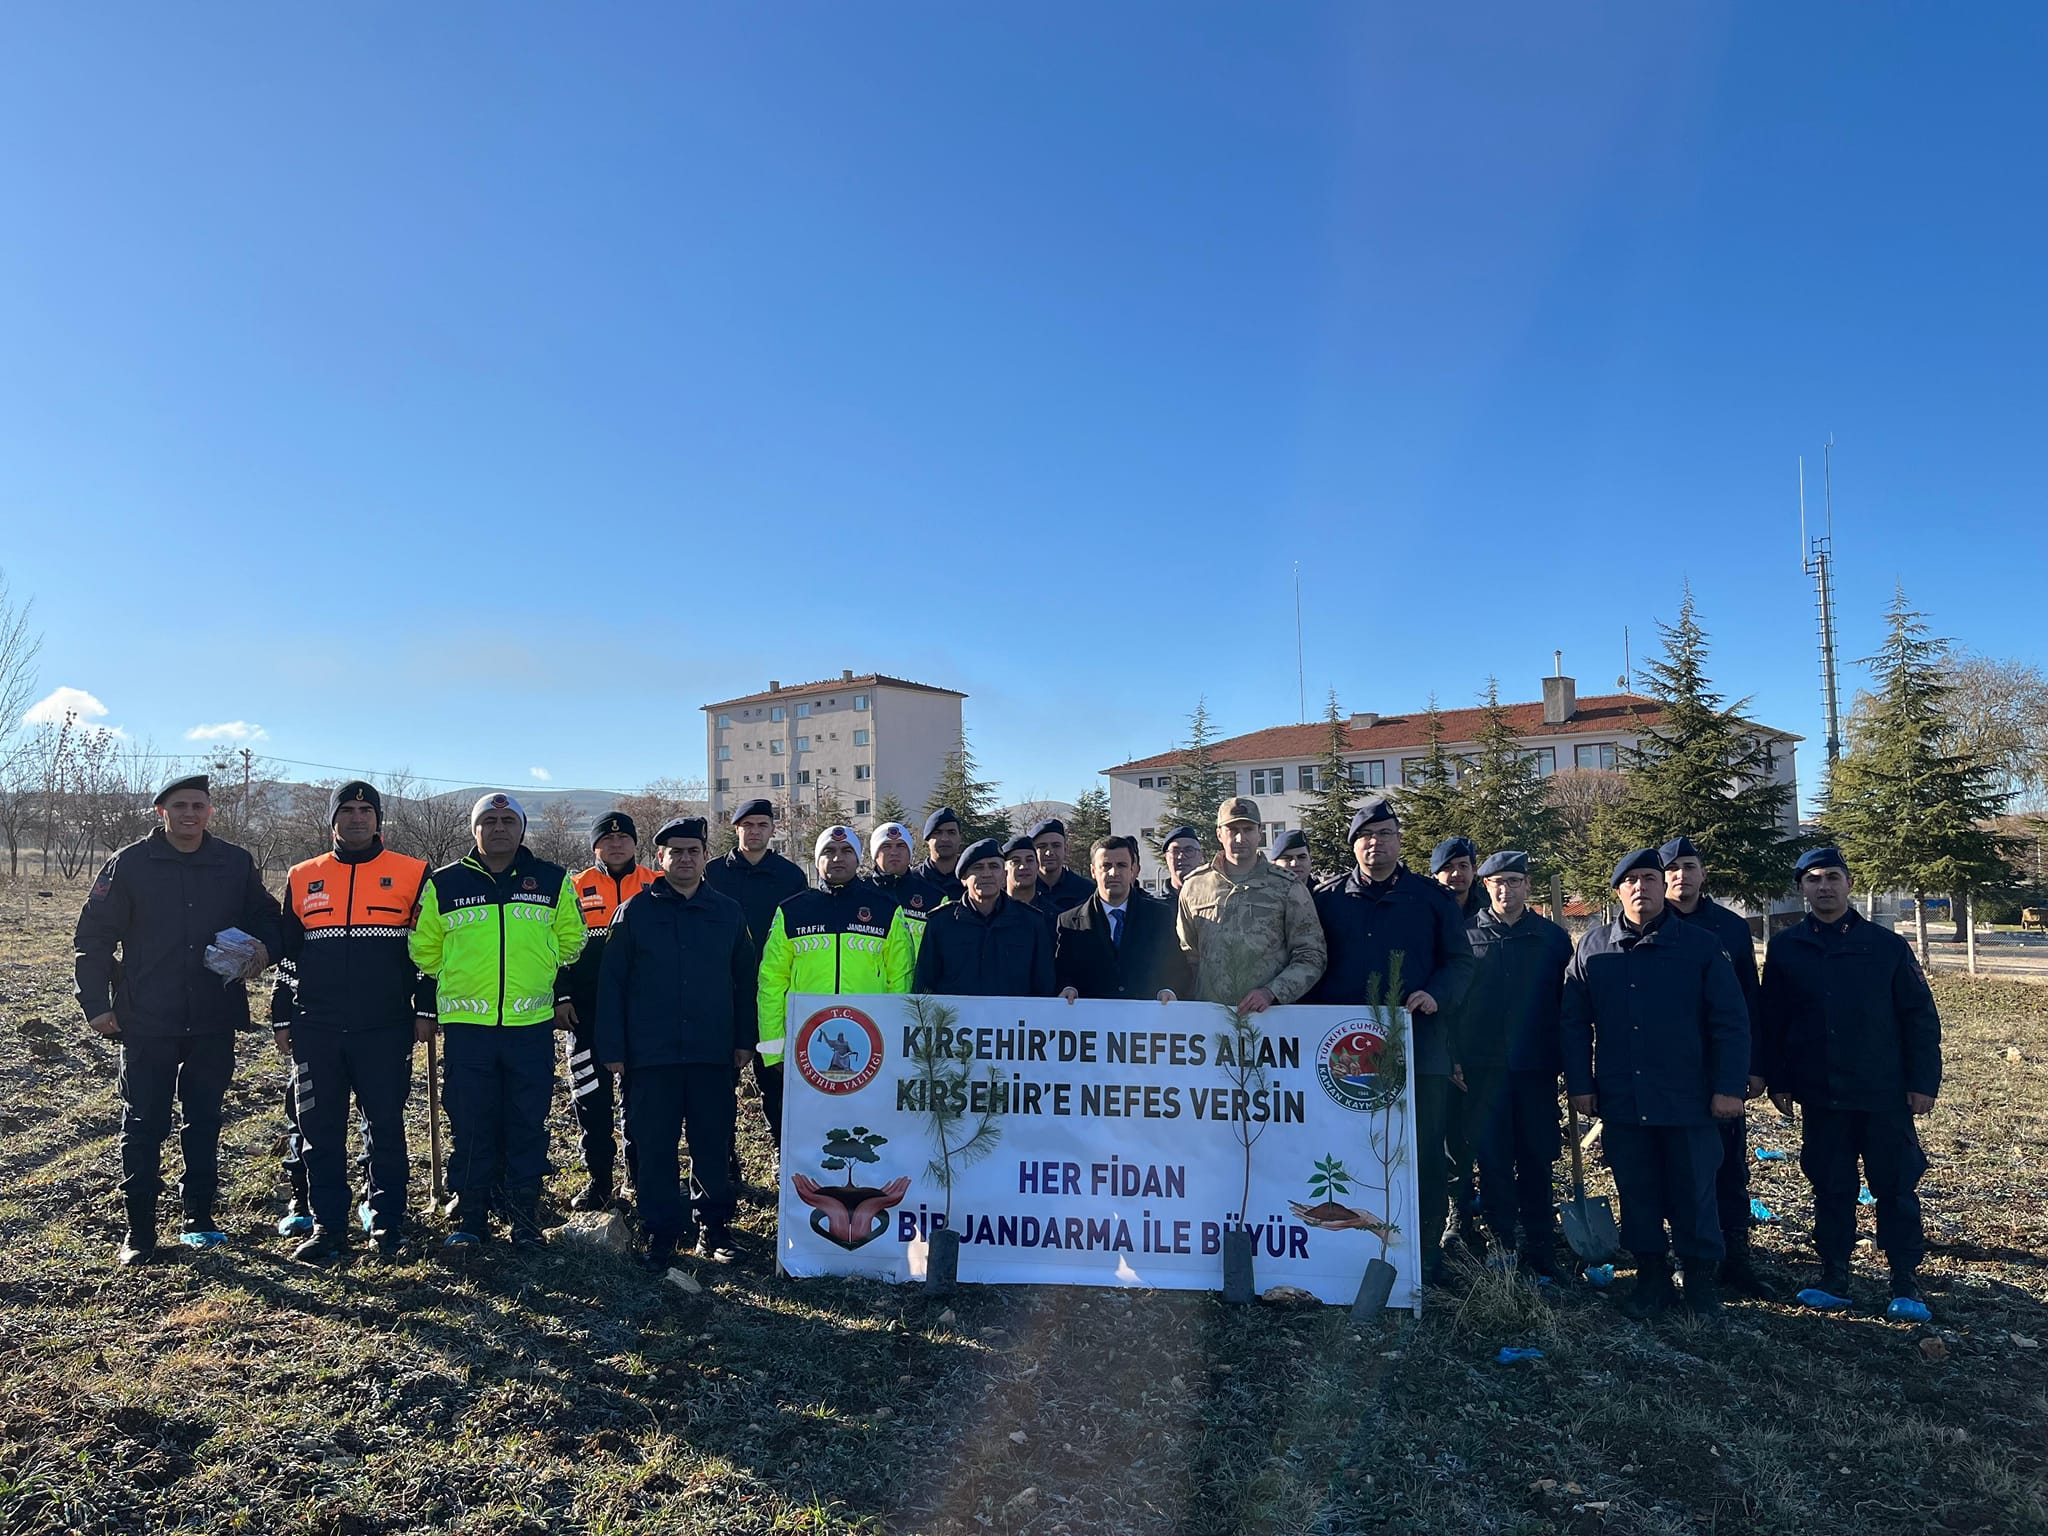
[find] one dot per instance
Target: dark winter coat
(1006, 954)
(1508, 1019)
(1366, 924)
(676, 985)
(1849, 1022)
(1148, 960)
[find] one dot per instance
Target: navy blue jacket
(676, 987)
(926, 870)
(917, 896)
(1663, 1011)
(1732, 929)
(1006, 954)
(1508, 1019)
(162, 908)
(1366, 925)
(1067, 893)
(1849, 1022)
(758, 888)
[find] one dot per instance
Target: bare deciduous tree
(1998, 714)
(426, 825)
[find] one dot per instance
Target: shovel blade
(1589, 1228)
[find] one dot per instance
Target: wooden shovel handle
(1578, 1157)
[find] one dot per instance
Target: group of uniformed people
(667, 983)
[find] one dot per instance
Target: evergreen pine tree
(972, 798)
(1327, 821)
(889, 808)
(1702, 772)
(1089, 822)
(1199, 785)
(1431, 808)
(1905, 805)
(1504, 801)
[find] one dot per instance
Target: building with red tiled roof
(1277, 766)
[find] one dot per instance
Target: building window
(860, 738)
(803, 775)
(724, 785)
(778, 714)
(1370, 773)
(1305, 779)
(1598, 755)
(803, 711)
(1269, 781)
(725, 754)
(1546, 760)
(1144, 783)
(863, 807)
(1411, 769)
(803, 743)
(775, 747)
(775, 781)
(1145, 835)
(863, 770)
(860, 701)
(1269, 832)
(725, 722)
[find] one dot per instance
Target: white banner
(1098, 1143)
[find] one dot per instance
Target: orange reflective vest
(599, 895)
(345, 963)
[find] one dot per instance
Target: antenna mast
(1818, 555)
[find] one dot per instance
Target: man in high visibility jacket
(843, 935)
(601, 890)
(917, 896)
(344, 1009)
(494, 930)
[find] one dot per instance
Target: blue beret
(1379, 808)
(939, 818)
(610, 822)
(1452, 848)
(974, 853)
(1050, 824)
(1642, 858)
(1180, 832)
(196, 781)
(1288, 842)
(1018, 843)
(748, 808)
(1508, 861)
(1829, 857)
(682, 826)
(1678, 848)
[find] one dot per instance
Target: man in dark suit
(1119, 942)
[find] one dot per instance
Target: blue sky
(486, 387)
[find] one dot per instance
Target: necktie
(1116, 928)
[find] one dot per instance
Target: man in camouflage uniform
(1249, 930)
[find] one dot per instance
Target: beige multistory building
(861, 739)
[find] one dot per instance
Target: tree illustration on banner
(851, 1215)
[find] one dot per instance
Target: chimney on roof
(846, 675)
(773, 686)
(1364, 722)
(1560, 696)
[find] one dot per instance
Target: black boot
(595, 1195)
(661, 1254)
(1652, 1291)
(523, 1216)
(1834, 1278)
(138, 1246)
(714, 1243)
(1702, 1298)
(1740, 1276)
(1539, 1256)
(323, 1247)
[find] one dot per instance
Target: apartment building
(1278, 766)
(860, 739)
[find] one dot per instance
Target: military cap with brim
(974, 853)
(1642, 858)
(681, 826)
(196, 781)
(1508, 861)
(1827, 857)
(1678, 848)
(1376, 810)
(610, 822)
(748, 808)
(1288, 842)
(1451, 848)
(355, 792)
(1237, 808)
(939, 818)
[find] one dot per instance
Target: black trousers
(1665, 1173)
(1513, 1117)
(497, 1081)
(663, 1104)
(769, 1080)
(375, 1066)
(1432, 1163)
(590, 1091)
(294, 1159)
(1889, 1148)
(1731, 1185)
(1461, 1148)
(193, 1070)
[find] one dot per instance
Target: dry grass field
(560, 1391)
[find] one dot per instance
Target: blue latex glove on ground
(1771, 1154)
(1865, 1197)
(1824, 1301)
(1758, 1211)
(1905, 1310)
(1513, 1356)
(1600, 1276)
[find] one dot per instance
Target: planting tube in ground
(942, 1265)
(1373, 1291)
(1237, 1267)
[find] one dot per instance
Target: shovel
(1588, 1224)
(438, 1189)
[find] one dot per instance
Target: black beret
(1288, 842)
(974, 853)
(610, 822)
(1452, 848)
(1379, 808)
(185, 781)
(682, 826)
(351, 792)
(1019, 843)
(1507, 862)
(1678, 848)
(1050, 824)
(748, 808)
(939, 818)
(1828, 857)
(1642, 858)
(1178, 833)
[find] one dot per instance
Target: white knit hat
(833, 835)
(497, 800)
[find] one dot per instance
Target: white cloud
(228, 730)
(65, 701)
(540, 773)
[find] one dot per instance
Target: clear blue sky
(485, 387)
